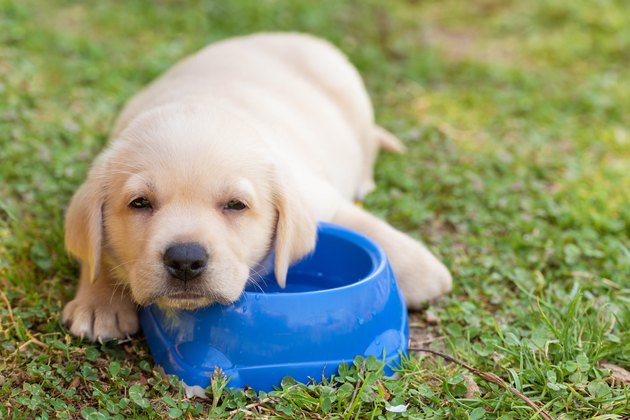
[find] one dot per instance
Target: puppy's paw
(421, 276)
(431, 280)
(101, 319)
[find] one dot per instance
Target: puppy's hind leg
(421, 276)
(380, 139)
(388, 141)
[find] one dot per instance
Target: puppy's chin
(190, 302)
(184, 302)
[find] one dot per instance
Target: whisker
(256, 281)
(123, 264)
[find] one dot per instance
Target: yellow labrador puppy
(223, 163)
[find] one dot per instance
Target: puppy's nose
(185, 261)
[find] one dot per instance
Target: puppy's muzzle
(185, 261)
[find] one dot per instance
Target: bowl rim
(373, 250)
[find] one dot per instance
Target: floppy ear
(84, 223)
(296, 229)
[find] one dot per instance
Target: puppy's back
(298, 89)
(281, 63)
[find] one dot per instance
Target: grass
(517, 118)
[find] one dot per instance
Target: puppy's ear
(84, 223)
(296, 229)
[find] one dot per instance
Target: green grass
(517, 118)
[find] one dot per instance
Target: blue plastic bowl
(339, 302)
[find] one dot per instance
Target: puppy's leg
(421, 276)
(381, 140)
(101, 310)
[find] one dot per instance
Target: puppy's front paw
(101, 319)
(430, 282)
(421, 276)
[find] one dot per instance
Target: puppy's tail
(387, 141)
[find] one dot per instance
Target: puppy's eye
(140, 203)
(235, 205)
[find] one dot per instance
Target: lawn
(517, 119)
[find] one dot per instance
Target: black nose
(185, 261)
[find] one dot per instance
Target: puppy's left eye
(235, 205)
(140, 203)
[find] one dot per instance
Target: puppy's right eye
(140, 203)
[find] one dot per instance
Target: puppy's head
(184, 207)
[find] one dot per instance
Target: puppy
(226, 161)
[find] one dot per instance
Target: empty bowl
(339, 302)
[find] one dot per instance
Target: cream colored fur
(281, 122)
